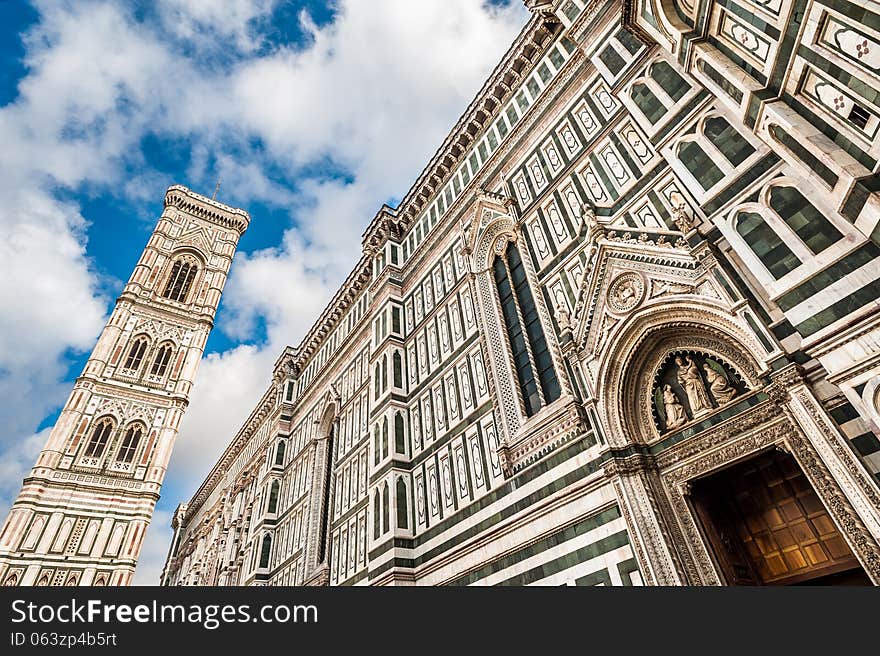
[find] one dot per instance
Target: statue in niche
(675, 415)
(690, 380)
(563, 318)
(720, 388)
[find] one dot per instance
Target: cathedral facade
(622, 330)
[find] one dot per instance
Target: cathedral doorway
(766, 525)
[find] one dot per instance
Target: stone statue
(563, 318)
(690, 380)
(675, 415)
(722, 391)
(680, 218)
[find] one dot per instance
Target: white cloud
(154, 550)
(376, 93)
(213, 24)
(16, 463)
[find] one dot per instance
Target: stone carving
(675, 415)
(626, 292)
(563, 318)
(721, 390)
(692, 383)
(681, 220)
(664, 287)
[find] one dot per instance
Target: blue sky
(311, 114)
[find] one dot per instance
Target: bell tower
(82, 513)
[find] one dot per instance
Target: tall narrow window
(377, 526)
(766, 244)
(402, 511)
(669, 80)
(266, 550)
(647, 102)
(183, 272)
(811, 226)
(532, 361)
(98, 441)
(377, 448)
(130, 443)
(136, 353)
(725, 138)
(700, 165)
(279, 452)
(399, 434)
(160, 363)
(397, 365)
(385, 507)
(385, 437)
(273, 497)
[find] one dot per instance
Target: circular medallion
(626, 292)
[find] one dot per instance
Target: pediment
(196, 237)
(479, 227)
(625, 273)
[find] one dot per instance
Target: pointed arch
(399, 433)
(97, 443)
(182, 272)
(532, 360)
(265, 550)
(130, 442)
(274, 490)
(385, 507)
(161, 359)
(136, 353)
(402, 509)
(377, 525)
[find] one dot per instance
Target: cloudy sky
(310, 113)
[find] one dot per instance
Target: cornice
(205, 208)
(525, 51)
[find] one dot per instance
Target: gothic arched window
(377, 526)
(136, 353)
(401, 504)
(160, 362)
(399, 434)
(130, 443)
(273, 497)
(183, 272)
(766, 244)
(809, 224)
(397, 364)
(279, 452)
(100, 437)
(699, 164)
(266, 550)
(727, 140)
(385, 437)
(385, 505)
(377, 448)
(531, 357)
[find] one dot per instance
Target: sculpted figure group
(698, 395)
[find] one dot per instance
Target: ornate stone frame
(556, 422)
(647, 337)
(746, 436)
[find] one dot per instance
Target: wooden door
(767, 526)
